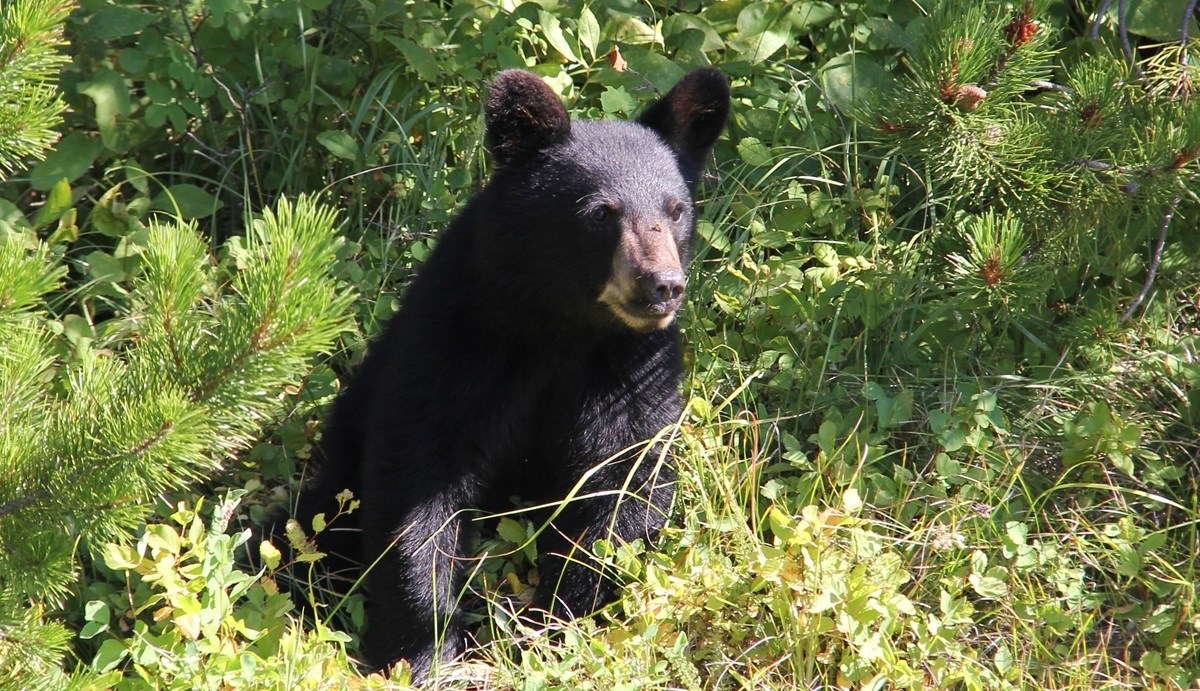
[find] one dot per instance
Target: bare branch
(1154, 261)
(1051, 86)
(1184, 84)
(1102, 10)
(1126, 47)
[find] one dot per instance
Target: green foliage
(30, 38)
(175, 611)
(93, 432)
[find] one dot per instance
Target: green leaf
(806, 15)
(891, 32)
(339, 144)
(763, 28)
(1128, 561)
(988, 586)
(187, 201)
(1161, 20)
(97, 614)
(616, 100)
(76, 328)
(1165, 616)
(825, 254)
(827, 437)
(110, 654)
(552, 30)
(660, 70)
(70, 159)
(103, 267)
(164, 538)
(67, 230)
(754, 152)
(110, 216)
(589, 32)
(851, 500)
(947, 468)
(850, 79)
(782, 525)
(1016, 532)
(704, 37)
(111, 96)
(953, 439)
(884, 411)
(1004, 659)
(57, 203)
(419, 58)
(114, 22)
(511, 531)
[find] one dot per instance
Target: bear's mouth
(642, 317)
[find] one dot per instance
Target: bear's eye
(676, 212)
(601, 213)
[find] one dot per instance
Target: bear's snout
(662, 289)
(646, 284)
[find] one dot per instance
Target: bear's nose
(662, 287)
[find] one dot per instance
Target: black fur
(503, 374)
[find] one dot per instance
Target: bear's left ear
(691, 116)
(522, 116)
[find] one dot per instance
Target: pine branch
(30, 35)
(92, 443)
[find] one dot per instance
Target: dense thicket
(942, 334)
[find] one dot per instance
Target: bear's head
(593, 221)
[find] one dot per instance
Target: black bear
(535, 355)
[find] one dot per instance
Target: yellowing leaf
(270, 554)
(851, 500)
(188, 625)
(121, 557)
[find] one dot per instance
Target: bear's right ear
(523, 116)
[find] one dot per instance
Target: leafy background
(941, 422)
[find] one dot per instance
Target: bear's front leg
(415, 547)
(626, 498)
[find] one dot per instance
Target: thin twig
(1051, 86)
(1123, 32)
(1184, 84)
(1183, 30)
(1154, 261)
(1100, 12)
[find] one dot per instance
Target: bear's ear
(691, 116)
(523, 116)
